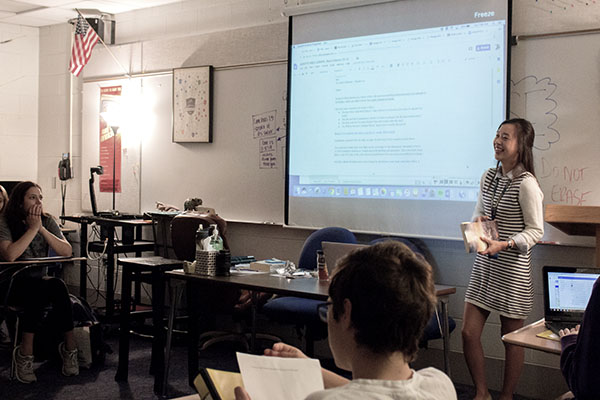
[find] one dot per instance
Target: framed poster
(192, 104)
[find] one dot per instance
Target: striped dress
(503, 284)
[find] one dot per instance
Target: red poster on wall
(110, 138)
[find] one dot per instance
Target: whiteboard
(550, 16)
(241, 173)
(556, 85)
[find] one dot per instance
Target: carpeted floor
(98, 382)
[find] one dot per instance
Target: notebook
(334, 251)
(567, 291)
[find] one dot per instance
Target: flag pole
(106, 47)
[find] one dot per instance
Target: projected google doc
(387, 110)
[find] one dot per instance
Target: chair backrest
(183, 233)
(161, 232)
(411, 245)
(308, 255)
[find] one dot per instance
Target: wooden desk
(42, 260)
(111, 247)
(8, 268)
(526, 337)
(310, 288)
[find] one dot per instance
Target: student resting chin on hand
(26, 231)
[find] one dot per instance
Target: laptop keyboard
(557, 326)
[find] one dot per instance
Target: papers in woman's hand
(267, 378)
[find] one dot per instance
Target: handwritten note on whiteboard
(266, 130)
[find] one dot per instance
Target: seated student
(580, 356)
(27, 232)
(381, 298)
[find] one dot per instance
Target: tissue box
(267, 265)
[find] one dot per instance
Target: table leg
(158, 342)
(193, 333)
(253, 332)
(110, 274)
(446, 333)
(83, 264)
(122, 369)
(174, 295)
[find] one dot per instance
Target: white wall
(196, 17)
(54, 116)
(19, 72)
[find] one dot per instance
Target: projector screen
(392, 109)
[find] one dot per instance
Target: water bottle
(216, 242)
(201, 234)
(321, 267)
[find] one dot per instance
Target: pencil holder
(206, 262)
(223, 263)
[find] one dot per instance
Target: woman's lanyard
(496, 201)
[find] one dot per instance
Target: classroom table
(526, 337)
(310, 288)
(111, 247)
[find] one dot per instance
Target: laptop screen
(334, 251)
(567, 290)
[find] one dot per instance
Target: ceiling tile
(14, 6)
(28, 20)
(49, 12)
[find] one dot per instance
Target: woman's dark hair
(392, 295)
(525, 137)
(14, 212)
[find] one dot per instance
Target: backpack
(83, 315)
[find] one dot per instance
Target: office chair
(433, 329)
(303, 312)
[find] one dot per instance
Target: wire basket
(206, 262)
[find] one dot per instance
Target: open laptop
(334, 251)
(567, 291)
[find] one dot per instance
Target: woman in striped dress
(501, 276)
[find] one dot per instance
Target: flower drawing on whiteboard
(533, 98)
(192, 104)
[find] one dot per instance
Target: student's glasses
(322, 310)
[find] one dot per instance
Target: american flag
(85, 40)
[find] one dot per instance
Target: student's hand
(34, 217)
(241, 394)
(567, 331)
(494, 246)
(481, 218)
(284, 350)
